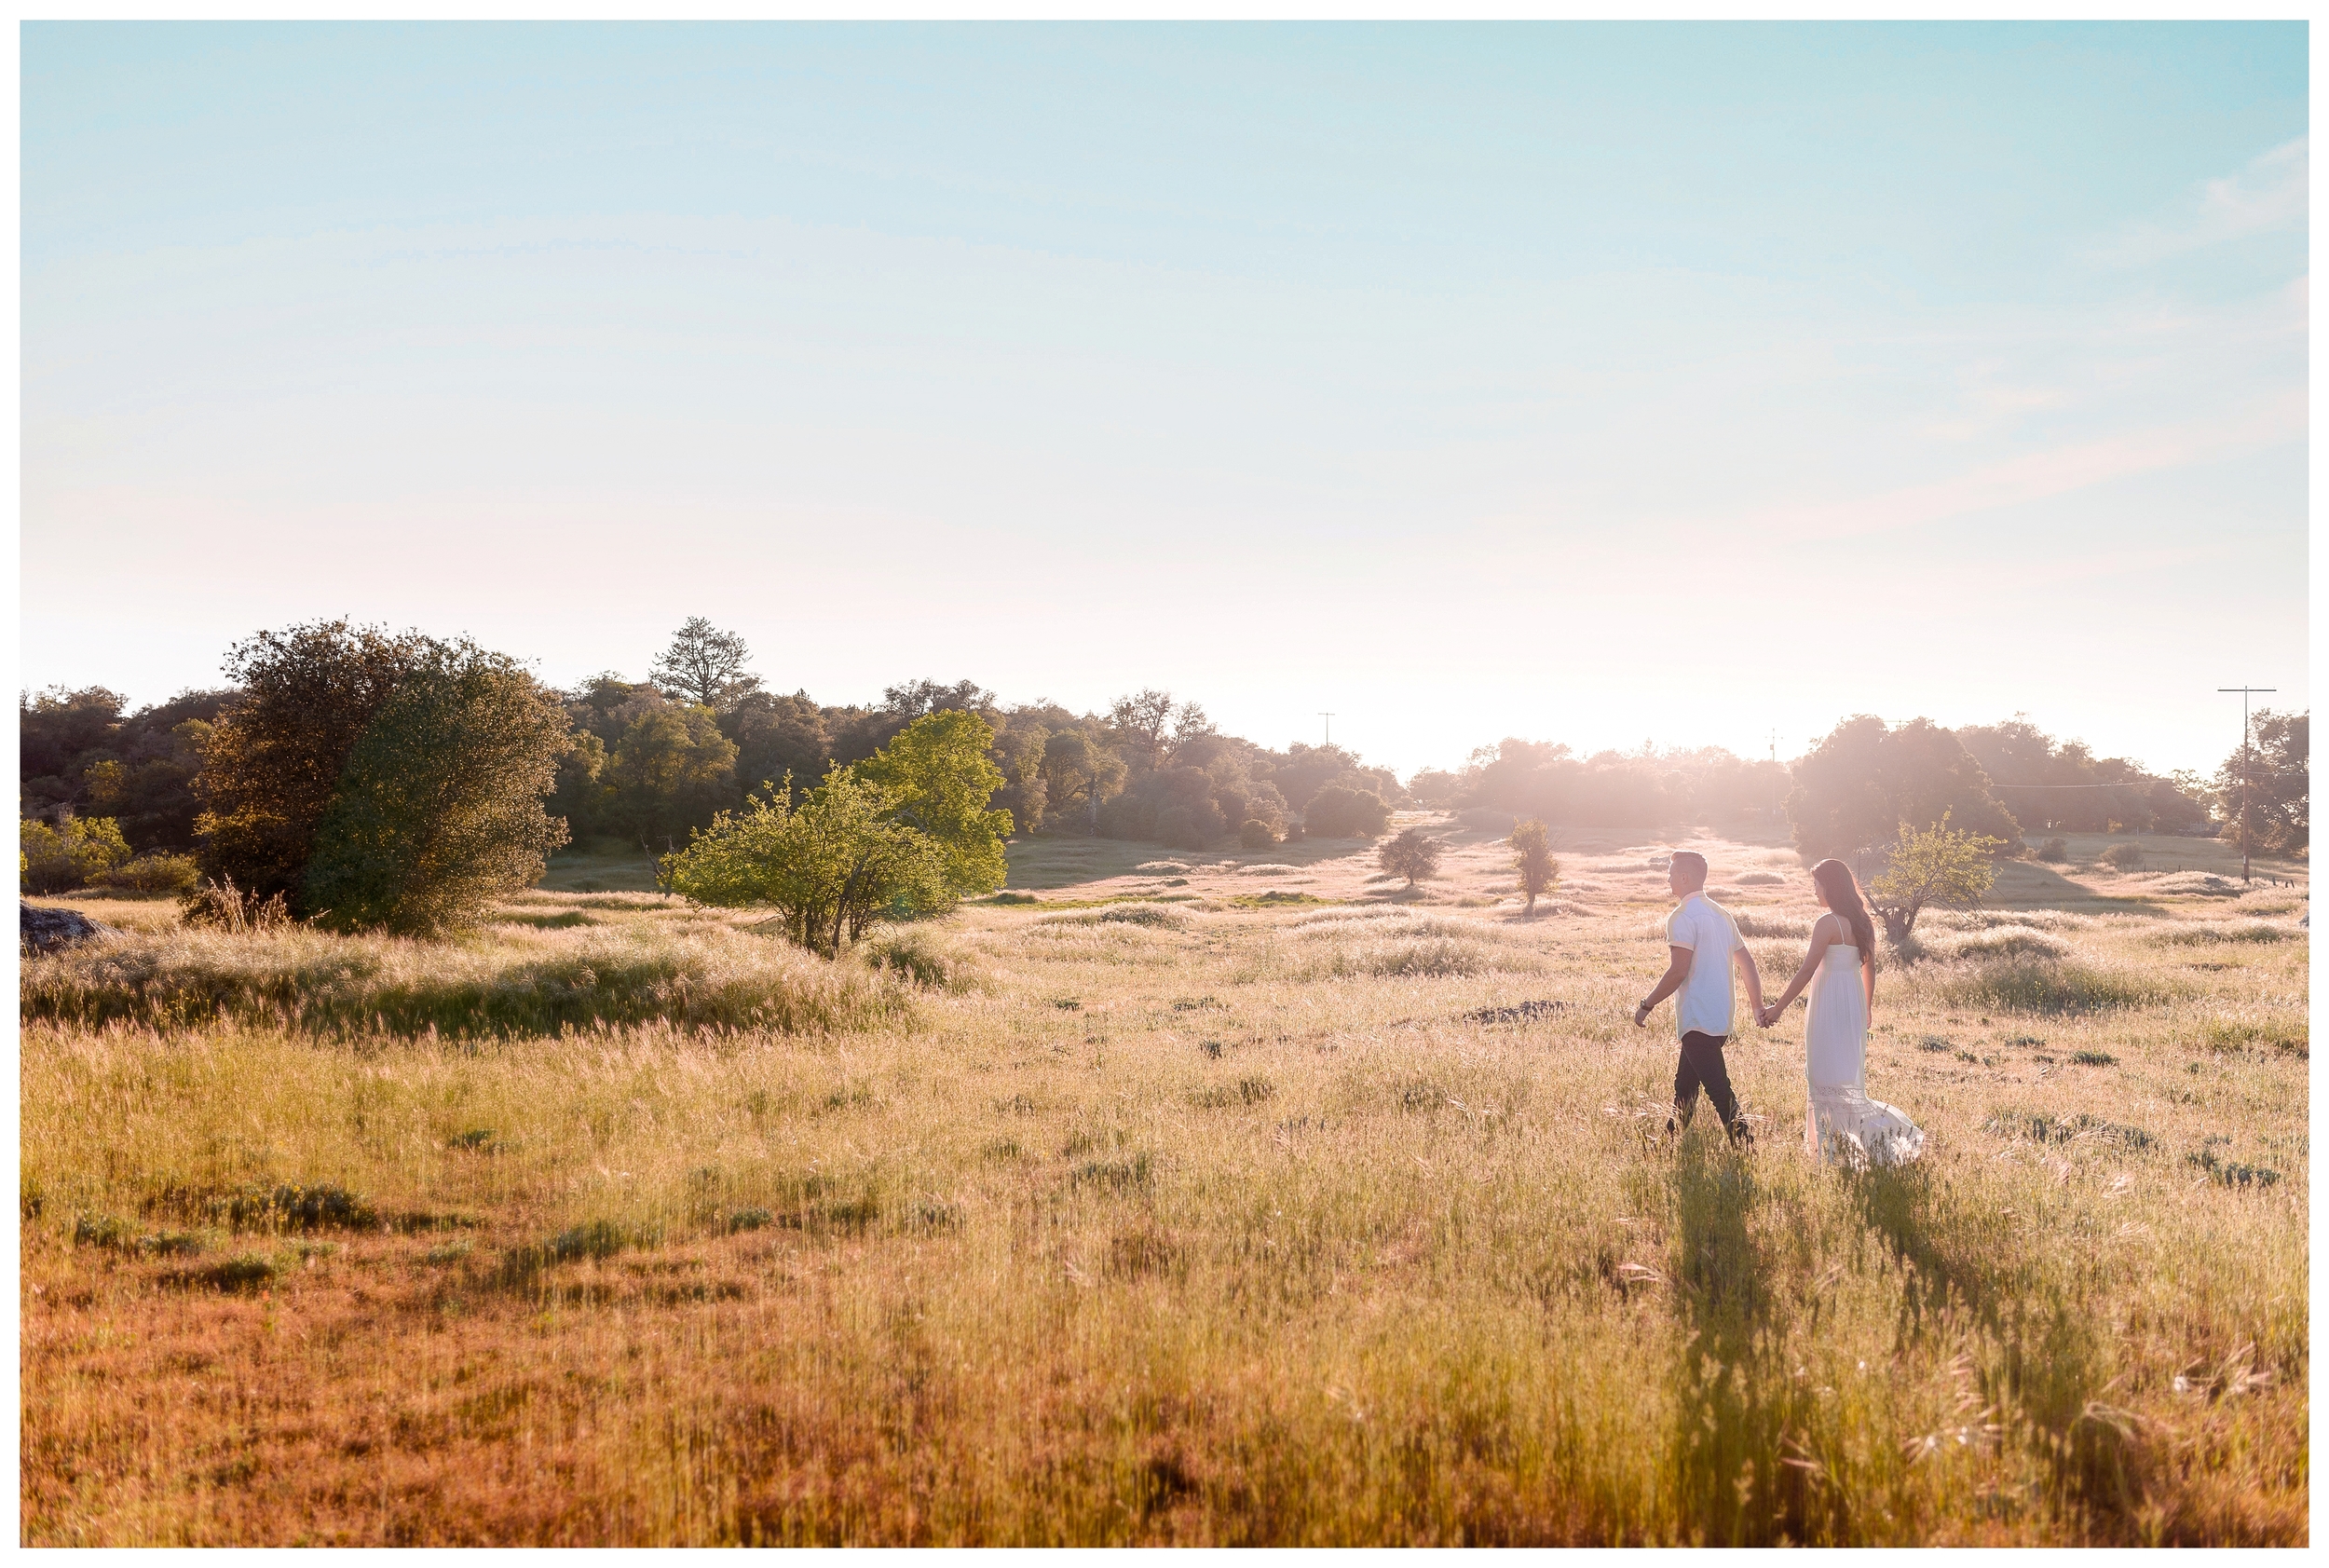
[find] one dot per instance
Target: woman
(1842, 1123)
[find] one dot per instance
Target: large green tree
(671, 771)
(439, 808)
(940, 779)
(274, 758)
(1865, 780)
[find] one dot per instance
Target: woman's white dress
(1842, 1123)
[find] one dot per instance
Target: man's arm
(1745, 961)
(1677, 971)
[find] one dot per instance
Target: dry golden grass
(1210, 1222)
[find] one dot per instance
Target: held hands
(1769, 1015)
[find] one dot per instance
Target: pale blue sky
(1582, 383)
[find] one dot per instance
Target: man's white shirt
(1703, 1004)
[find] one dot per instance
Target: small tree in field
(1937, 866)
(831, 865)
(1532, 858)
(1412, 855)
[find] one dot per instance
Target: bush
(1255, 835)
(155, 873)
(2124, 857)
(916, 953)
(2054, 851)
(1189, 828)
(73, 855)
(833, 865)
(1339, 812)
(1412, 854)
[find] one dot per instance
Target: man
(1702, 944)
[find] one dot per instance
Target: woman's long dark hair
(1844, 896)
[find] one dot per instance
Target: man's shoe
(1742, 1136)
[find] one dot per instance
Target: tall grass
(539, 982)
(1150, 1238)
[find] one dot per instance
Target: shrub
(73, 855)
(156, 873)
(1412, 854)
(832, 866)
(1339, 812)
(1255, 835)
(917, 954)
(2054, 851)
(2124, 857)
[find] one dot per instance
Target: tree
(1339, 812)
(671, 771)
(1938, 866)
(1863, 778)
(911, 700)
(1412, 854)
(775, 736)
(2276, 768)
(276, 753)
(72, 855)
(939, 779)
(1532, 858)
(583, 798)
(1079, 772)
(831, 865)
(1149, 727)
(438, 809)
(704, 665)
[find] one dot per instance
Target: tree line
(374, 779)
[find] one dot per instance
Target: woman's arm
(1822, 935)
(1868, 981)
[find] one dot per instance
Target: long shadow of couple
(1749, 1466)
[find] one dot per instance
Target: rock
(47, 930)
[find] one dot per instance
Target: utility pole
(1329, 718)
(2245, 692)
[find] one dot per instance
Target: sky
(1676, 383)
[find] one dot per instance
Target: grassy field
(1243, 1198)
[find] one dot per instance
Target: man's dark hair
(1690, 860)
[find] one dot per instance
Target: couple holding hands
(1840, 1122)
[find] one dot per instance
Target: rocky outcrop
(45, 931)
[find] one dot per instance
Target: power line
(1329, 718)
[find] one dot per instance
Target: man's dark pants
(1702, 1064)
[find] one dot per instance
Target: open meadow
(1243, 1198)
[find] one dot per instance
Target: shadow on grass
(1734, 1403)
(2038, 1352)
